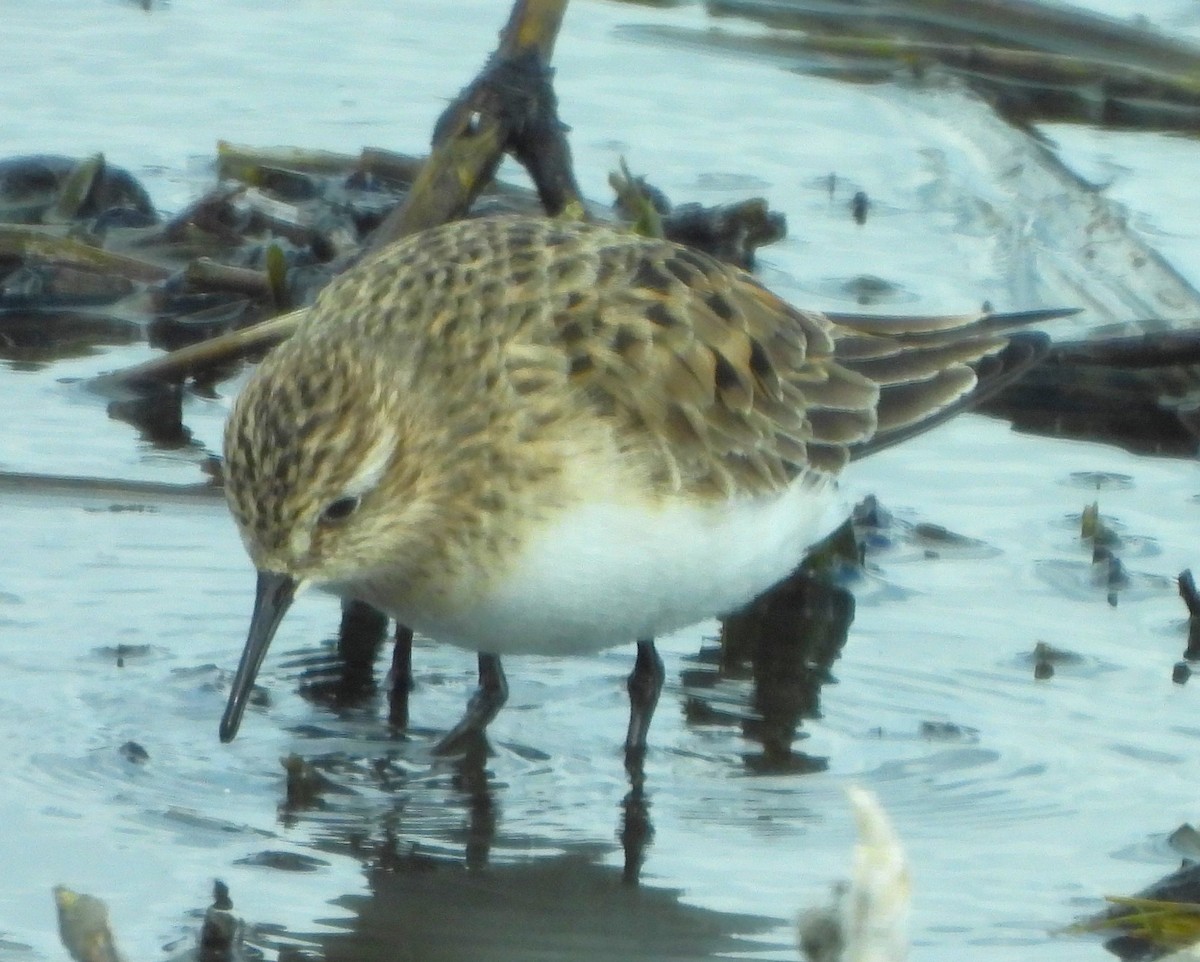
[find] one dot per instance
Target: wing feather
(730, 390)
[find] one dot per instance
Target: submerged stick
(1024, 23)
(235, 160)
(1032, 60)
(1016, 63)
(79, 490)
(204, 272)
(179, 365)
(22, 241)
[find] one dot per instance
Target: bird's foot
(484, 705)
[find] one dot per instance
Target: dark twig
(181, 364)
(509, 107)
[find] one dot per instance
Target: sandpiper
(521, 435)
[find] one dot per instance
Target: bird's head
(318, 482)
(311, 452)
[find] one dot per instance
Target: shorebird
(521, 435)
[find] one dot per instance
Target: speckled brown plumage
(459, 406)
(707, 379)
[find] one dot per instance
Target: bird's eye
(340, 509)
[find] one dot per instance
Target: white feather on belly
(614, 572)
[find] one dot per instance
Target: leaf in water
(83, 927)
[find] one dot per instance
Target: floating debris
(48, 188)
(859, 205)
(643, 204)
(221, 933)
(731, 232)
(85, 933)
(134, 753)
(943, 731)
(1163, 923)
(83, 927)
(867, 919)
(937, 541)
(284, 861)
(1046, 657)
(1163, 917)
(305, 784)
(1108, 571)
(1185, 840)
(1092, 527)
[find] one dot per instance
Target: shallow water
(1021, 802)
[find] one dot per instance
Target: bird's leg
(402, 679)
(645, 683)
(488, 699)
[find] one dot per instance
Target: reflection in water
(427, 903)
(37, 335)
(784, 642)
(432, 907)
(401, 677)
(1143, 410)
(342, 680)
(157, 413)
(635, 831)
(564, 907)
(472, 781)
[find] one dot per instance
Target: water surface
(1022, 802)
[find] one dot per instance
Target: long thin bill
(272, 597)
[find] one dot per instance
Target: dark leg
(645, 684)
(488, 699)
(402, 680)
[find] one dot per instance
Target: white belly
(612, 573)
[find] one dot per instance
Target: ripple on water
(864, 290)
(1086, 581)
(1015, 797)
(1099, 480)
